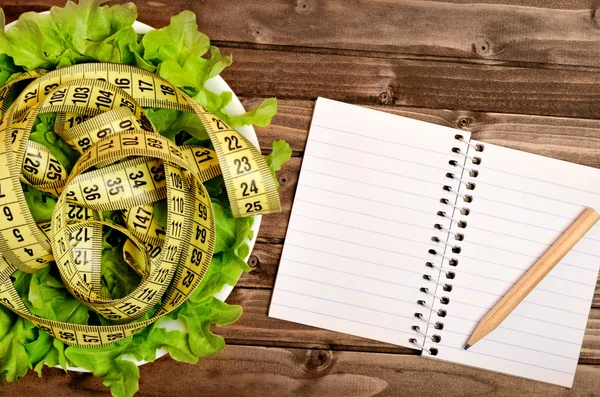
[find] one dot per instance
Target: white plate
(217, 85)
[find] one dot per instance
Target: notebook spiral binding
(458, 236)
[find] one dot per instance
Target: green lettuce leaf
(14, 359)
(32, 42)
(175, 42)
(8, 69)
(107, 362)
(15, 333)
(228, 228)
(86, 32)
(170, 123)
(281, 154)
(46, 350)
(199, 317)
(260, 116)
(50, 299)
(75, 33)
(41, 204)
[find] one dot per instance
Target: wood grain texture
(571, 139)
(418, 82)
(414, 83)
(519, 73)
(536, 31)
(260, 371)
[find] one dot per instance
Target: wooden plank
(413, 82)
(264, 261)
(569, 139)
(524, 31)
(532, 31)
(274, 372)
(416, 83)
(255, 328)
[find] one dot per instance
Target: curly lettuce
(90, 32)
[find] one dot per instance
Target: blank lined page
(362, 221)
(522, 204)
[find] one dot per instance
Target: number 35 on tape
(124, 167)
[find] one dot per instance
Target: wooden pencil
(532, 278)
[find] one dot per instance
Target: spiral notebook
(408, 232)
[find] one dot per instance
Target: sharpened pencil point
(467, 347)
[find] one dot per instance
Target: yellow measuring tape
(124, 165)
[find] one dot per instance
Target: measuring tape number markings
(125, 165)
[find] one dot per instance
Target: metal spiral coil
(454, 249)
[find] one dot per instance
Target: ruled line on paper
(533, 256)
(491, 339)
(365, 214)
(349, 304)
(514, 361)
(579, 204)
(357, 274)
(351, 258)
(479, 259)
(520, 331)
(366, 199)
(379, 155)
(342, 318)
(399, 143)
(520, 175)
(361, 227)
(386, 234)
(373, 185)
(515, 217)
(362, 151)
(362, 222)
(518, 222)
(546, 244)
(562, 263)
(539, 289)
(488, 308)
(423, 258)
(530, 302)
(420, 272)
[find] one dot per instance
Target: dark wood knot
(483, 47)
(303, 6)
(385, 98)
(464, 122)
(318, 360)
(255, 31)
(283, 178)
(253, 261)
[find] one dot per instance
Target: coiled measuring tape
(124, 165)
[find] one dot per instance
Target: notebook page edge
(588, 176)
(321, 104)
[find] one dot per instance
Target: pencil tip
(467, 347)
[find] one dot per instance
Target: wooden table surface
(519, 73)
